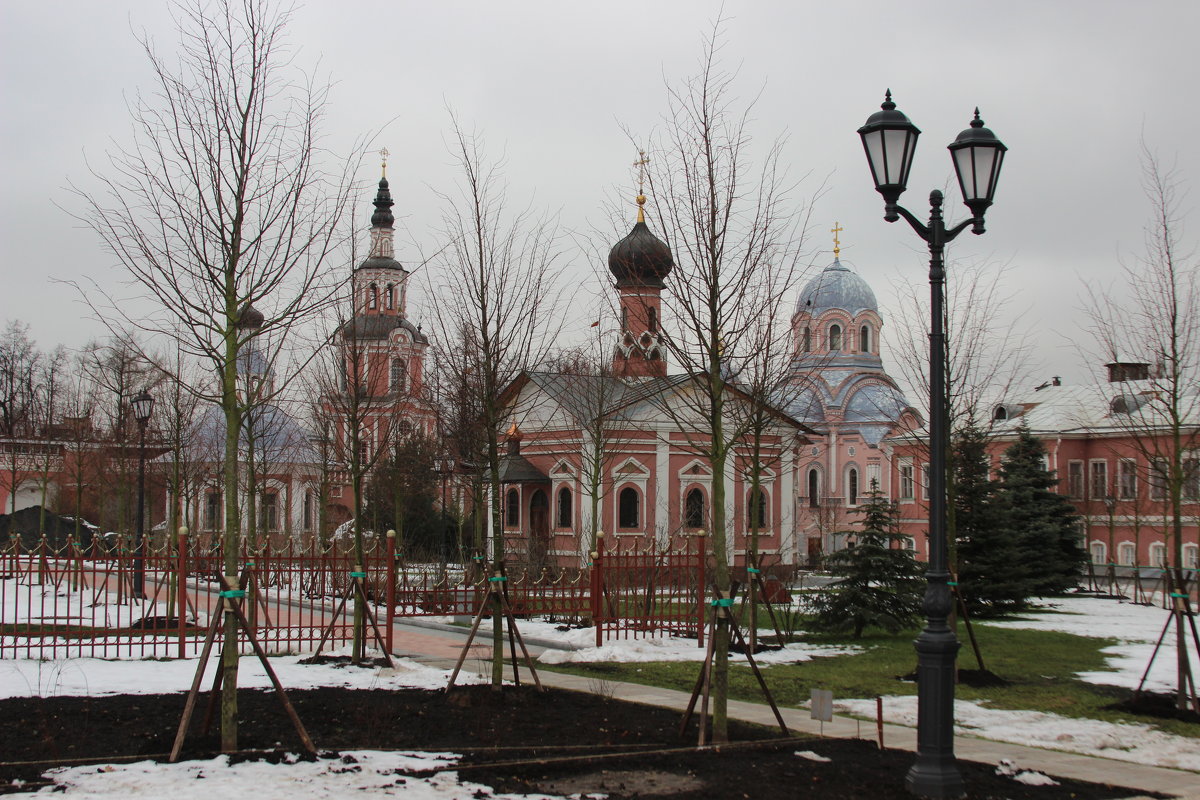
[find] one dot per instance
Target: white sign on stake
(822, 705)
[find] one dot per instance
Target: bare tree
(499, 321)
(218, 207)
(1154, 316)
(735, 229)
(988, 357)
(19, 360)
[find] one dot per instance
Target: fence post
(598, 588)
(181, 589)
(701, 591)
(391, 588)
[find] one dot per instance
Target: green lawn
(1039, 665)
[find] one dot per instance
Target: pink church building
(621, 443)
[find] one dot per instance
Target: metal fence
(1142, 584)
(109, 601)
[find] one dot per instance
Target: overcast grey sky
(1070, 87)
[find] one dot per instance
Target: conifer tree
(1045, 524)
(878, 580)
(992, 574)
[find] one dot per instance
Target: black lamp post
(890, 140)
(142, 405)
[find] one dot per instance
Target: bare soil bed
(516, 740)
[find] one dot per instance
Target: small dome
(250, 318)
(836, 287)
(382, 218)
(640, 259)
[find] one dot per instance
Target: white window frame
(907, 480)
(1127, 479)
(1102, 463)
(1076, 490)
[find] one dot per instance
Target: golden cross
(383, 154)
(835, 230)
(641, 165)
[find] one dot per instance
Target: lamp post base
(935, 773)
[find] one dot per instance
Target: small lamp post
(890, 141)
(445, 467)
(142, 406)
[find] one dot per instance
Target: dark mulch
(516, 740)
(1153, 704)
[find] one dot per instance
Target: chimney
(1121, 371)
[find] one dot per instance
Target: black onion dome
(382, 218)
(640, 259)
(250, 318)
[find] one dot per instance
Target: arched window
(693, 509)
(373, 296)
(628, 508)
(654, 320)
(864, 339)
(310, 509)
(624, 318)
(756, 509)
(512, 508)
(389, 297)
(852, 487)
(564, 508)
(1158, 555)
(814, 488)
(806, 340)
(1099, 553)
(399, 376)
(835, 337)
(1000, 413)
(1128, 554)
(1191, 556)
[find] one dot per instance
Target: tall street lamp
(142, 405)
(890, 140)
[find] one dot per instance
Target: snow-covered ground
(374, 773)
(579, 645)
(95, 677)
(1122, 741)
(1136, 627)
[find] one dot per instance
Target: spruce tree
(992, 574)
(878, 580)
(1046, 526)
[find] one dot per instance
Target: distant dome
(640, 259)
(250, 318)
(836, 287)
(277, 437)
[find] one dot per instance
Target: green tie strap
(723, 602)
(753, 571)
(358, 574)
(497, 579)
(236, 594)
(952, 583)
(1180, 596)
(249, 565)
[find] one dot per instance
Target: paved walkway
(1174, 782)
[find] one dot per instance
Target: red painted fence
(72, 602)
